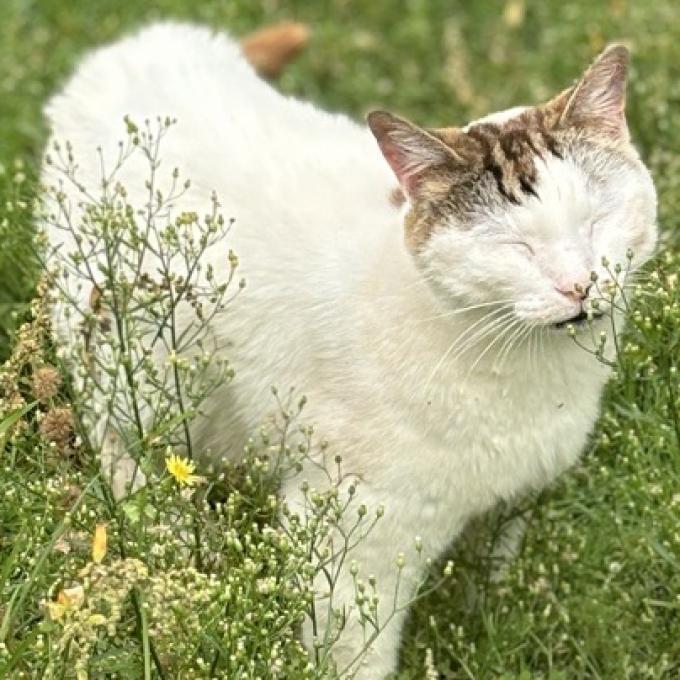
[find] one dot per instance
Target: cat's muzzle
(580, 320)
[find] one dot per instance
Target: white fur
(336, 306)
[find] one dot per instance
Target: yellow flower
(99, 542)
(182, 469)
(97, 620)
(67, 599)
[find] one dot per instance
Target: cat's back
(165, 69)
(308, 190)
(284, 169)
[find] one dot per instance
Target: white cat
(425, 326)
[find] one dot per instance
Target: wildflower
(182, 469)
(57, 426)
(68, 599)
(99, 543)
(46, 383)
(62, 546)
(430, 669)
(97, 620)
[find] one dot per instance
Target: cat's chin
(580, 322)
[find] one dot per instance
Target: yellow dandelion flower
(99, 542)
(182, 469)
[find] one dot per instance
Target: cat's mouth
(580, 320)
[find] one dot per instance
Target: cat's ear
(598, 100)
(412, 152)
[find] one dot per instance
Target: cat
(428, 326)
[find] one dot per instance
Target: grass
(595, 592)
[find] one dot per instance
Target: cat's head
(521, 206)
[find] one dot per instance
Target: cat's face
(520, 208)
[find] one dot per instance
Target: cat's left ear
(598, 100)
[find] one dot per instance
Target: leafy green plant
(148, 565)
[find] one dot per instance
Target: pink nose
(576, 293)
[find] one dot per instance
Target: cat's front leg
(511, 526)
(119, 468)
(487, 547)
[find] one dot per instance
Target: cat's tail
(272, 47)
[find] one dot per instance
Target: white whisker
(470, 334)
(499, 336)
(514, 329)
(480, 334)
(516, 341)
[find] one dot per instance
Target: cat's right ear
(411, 152)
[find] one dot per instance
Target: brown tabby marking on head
(496, 162)
(446, 193)
(507, 151)
(452, 172)
(422, 218)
